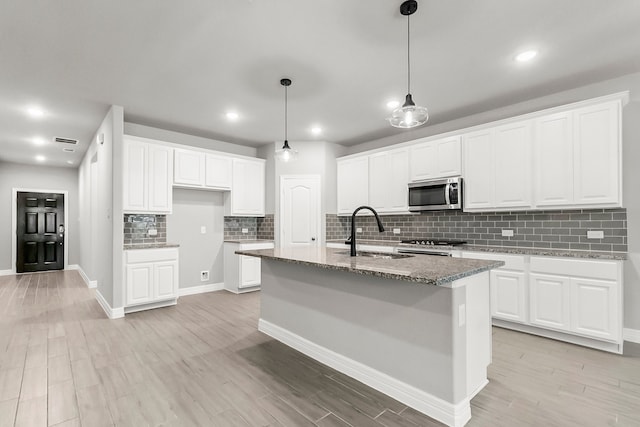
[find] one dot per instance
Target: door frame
(283, 179)
(14, 223)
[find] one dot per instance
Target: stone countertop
(150, 246)
(516, 250)
(248, 241)
(430, 270)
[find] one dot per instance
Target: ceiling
(182, 65)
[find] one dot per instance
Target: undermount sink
(379, 255)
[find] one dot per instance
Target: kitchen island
(415, 328)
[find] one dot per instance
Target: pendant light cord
(408, 54)
(285, 113)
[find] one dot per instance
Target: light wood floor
(203, 363)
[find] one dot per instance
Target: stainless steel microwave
(435, 195)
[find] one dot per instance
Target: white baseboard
(200, 289)
(631, 335)
(455, 415)
(6, 272)
(112, 313)
(150, 306)
(92, 284)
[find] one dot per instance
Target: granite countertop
(430, 270)
(150, 246)
(516, 250)
(248, 241)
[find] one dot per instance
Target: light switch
(203, 230)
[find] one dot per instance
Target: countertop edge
(515, 250)
(378, 272)
(137, 246)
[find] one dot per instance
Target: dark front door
(40, 232)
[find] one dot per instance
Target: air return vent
(66, 140)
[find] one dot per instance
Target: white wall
(631, 154)
(101, 225)
(193, 209)
(13, 175)
(314, 158)
(185, 139)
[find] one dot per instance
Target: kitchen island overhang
(385, 323)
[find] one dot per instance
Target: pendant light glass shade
(409, 115)
(286, 153)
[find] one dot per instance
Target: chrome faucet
(353, 226)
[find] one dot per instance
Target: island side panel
(402, 329)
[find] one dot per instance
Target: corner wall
(101, 217)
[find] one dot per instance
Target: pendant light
(409, 115)
(286, 153)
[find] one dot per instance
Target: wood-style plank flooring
(203, 363)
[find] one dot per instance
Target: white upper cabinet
(218, 172)
(147, 170)
(248, 183)
(479, 178)
(388, 181)
(353, 184)
(498, 168)
(553, 164)
(578, 157)
(198, 169)
(597, 155)
(435, 159)
(189, 168)
(512, 160)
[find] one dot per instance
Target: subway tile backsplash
(257, 228)
(136, 228)
(565, 229)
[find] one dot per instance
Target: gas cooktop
(434, 242)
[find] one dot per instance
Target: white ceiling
(181, 65)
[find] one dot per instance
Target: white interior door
(300, 222)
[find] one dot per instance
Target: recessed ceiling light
(68, 150)
(38, 141)
(392, 105)
(527, 55)
(40, 158)
(232, 116)
(70, 162)
(316, 130)
(35, 112)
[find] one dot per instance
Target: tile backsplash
(565, 229)
(136, 228)
(257, 228)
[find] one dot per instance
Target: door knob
(313, 239)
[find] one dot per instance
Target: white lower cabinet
(243, 273)
(571, 299)
(151, 277)
(549, 301)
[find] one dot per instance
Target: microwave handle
(447, 189)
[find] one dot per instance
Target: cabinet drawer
(151, 255)
(608, 270)
(511, 262)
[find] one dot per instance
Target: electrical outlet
(204, 276)
(152, 232)
(396, 231)
(203, 230)
(507, 233)
(358, 230)
(245, 230)
(595, 234)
